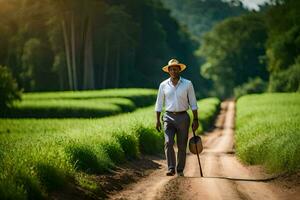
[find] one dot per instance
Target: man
(177, 94)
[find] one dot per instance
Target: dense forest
(244, 51)
(256, 52)
(96, 44)
(200, 16)
(77, 44)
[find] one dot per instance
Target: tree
(283, 46)
(200, 16)
(233, 50)
(8, 88)
(36, 75)
(120, 35)
(77, 44)
(26, 20)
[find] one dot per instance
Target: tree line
(241, 51)
(94, 44)
(256, 52)
(200, 16)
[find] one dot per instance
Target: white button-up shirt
(176, 98)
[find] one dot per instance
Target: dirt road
(224, 176)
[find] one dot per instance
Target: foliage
(8, 88)
(200, 16)
(261, 44)
(232, 52)
(268, 130)
(283, 46)
(35, 58)
(254, 85)
(81, 45)
(286, 80)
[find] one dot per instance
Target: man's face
(174, 71)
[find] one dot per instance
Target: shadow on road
(236, 179)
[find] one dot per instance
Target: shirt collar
(170, 82)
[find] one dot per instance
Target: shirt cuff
(158, 109)
(194, 107)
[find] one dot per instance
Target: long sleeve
(192, 97)
(160, 99)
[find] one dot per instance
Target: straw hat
(174, 62)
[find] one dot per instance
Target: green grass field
(85, 104)
(208, 111)
(108, 93)
(43, 155)
(268, 131)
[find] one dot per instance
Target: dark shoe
(180, 174)
(171, 172)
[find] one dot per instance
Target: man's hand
(158, 126)
(195, 124)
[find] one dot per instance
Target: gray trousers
(176, 124)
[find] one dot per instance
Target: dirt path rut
(224, 176)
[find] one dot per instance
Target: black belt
(176, 113)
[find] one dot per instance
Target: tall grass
(268, 131)
(208, 111)
(47, 153)
(91, 94)
(80, 104)
(42, 155)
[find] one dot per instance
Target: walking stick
(198, 154)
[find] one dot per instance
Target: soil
(116, 180)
